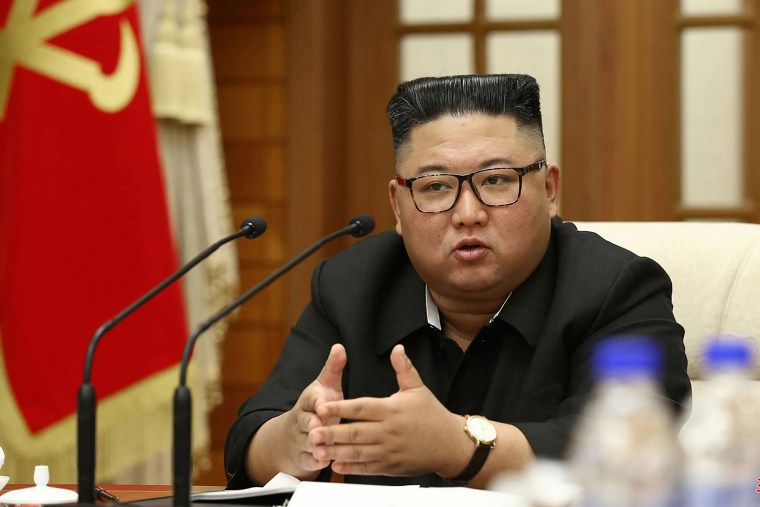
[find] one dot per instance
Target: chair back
(715, 269)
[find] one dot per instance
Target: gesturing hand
(303, 418)
(408, 433)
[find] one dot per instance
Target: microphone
(251, 227)
(357, 227)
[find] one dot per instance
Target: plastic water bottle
(625, 452)
(721, 441)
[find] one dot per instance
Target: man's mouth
(470, 250)
(469, 244)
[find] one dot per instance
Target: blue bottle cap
(627, 357)
(728, 353)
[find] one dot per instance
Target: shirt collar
(434, 316)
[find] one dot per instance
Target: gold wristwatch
(483, 433)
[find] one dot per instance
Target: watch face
(482, 429)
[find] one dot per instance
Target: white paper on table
(279, 484)
(327, 494)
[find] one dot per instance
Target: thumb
(406, 373)
(332, 371)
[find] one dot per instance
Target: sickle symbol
(23, 42)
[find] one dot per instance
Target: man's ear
(553, 184)
(393, 197)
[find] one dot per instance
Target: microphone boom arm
(158, 288)
(205, 325)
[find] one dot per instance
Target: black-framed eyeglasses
(495, 186)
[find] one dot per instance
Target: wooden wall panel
(261, 174)
(252, 111)
(317, 83)
(250, 362)
(262, 311)
(244, 58)
(249, 51)
(620, 106)
(261, 12)
(373, 74)
(343, 67)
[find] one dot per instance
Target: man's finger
(350, 453)
(307, 421)
(406, 374)
(307, 461)
(332, 371)
(361, 468)
(358, 409)
(351, 433)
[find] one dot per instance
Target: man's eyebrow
(438, 169)
(497, 162)
(432, 169)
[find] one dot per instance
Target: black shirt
(528, 367)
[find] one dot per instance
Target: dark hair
(426, 99)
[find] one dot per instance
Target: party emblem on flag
(24, 42)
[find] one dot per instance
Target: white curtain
(176, 45)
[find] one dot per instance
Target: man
(482, 303)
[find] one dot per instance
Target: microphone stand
(182, 459)
(87, 401)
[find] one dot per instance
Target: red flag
(84, 228)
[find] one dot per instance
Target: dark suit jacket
(529, 367)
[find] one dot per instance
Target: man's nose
(469, 210)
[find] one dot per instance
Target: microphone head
(256, 226)
(361, 225)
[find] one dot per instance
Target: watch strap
(473, 467)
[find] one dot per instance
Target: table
(126, 492)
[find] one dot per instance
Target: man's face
(473, 251)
